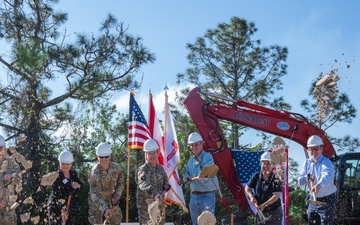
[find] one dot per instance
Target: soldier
(106, 182)
(8, 168)
(152, 183)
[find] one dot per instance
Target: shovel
(263, 219)
(112, 210)
(314, 202)
(67, 208)
(209, 171)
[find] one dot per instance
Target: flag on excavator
(170, 155)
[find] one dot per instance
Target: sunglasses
(104, 157)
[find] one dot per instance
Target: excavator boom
(206, 117)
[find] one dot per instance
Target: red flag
(138, 129)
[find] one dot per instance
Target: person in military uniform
(106, 181)
(9, 175)
(152, 183)
(67, 184)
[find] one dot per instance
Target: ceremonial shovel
(263, 219)
(314, 202)
(209, 171)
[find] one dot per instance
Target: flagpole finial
(165, 88)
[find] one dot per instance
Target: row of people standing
(106, 183)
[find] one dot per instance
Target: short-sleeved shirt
(264, 189)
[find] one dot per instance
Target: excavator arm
(206, 117)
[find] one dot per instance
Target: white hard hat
(194, 137)
(66, 157)
(314, 141)
(150, 145)
(2, 141)
(265, 156)
(103, 149)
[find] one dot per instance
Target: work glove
(167, 187)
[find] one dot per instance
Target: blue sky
(315, 33)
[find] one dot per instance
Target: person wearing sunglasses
(106, 184)
(318, 173)
(65, 187)
(263, 190)
(152, 183)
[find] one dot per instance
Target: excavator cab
(348, 188)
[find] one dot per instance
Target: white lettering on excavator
(251, 119)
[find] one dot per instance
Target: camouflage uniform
(8, 217)
(105, 185)
(150, 181)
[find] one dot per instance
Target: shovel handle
(312, 192)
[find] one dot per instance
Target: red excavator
(293, 126)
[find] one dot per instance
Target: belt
(201, 192)
(324, 198)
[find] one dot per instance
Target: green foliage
(86, 73)
(229, 61)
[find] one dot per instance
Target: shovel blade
(209, 171)
(316, 202)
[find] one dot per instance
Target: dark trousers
(322, 215)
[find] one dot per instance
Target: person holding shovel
(202, 189)
(63, 202)
(8, 168)
(152, 183)
(106, 181)
(263, 190)
(318, 173)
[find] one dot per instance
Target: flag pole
(128, 176)
(166, 105)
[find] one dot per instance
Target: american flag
(247, 163)
(138, 129)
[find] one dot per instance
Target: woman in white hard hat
(63, 203)
(320, 171)
(152, 183)
(106, 180)
(9, 168)
(263, 190)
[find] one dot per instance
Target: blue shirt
(323, 170)
(193, 169)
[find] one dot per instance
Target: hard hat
(194, 137)
(314, 141)
(265, 156)
(2, 141)
(150, 145)
(103, 149)
(66, 157)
